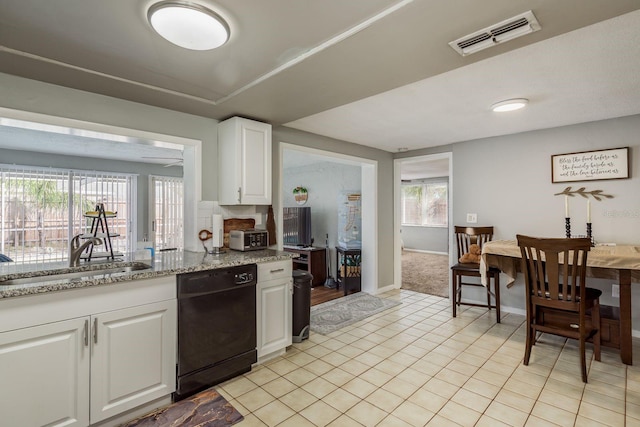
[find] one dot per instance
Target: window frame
(424, 184)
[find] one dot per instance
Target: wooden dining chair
(557, 297)
(465, 237)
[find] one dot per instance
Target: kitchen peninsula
(98, 346)
(162, 264)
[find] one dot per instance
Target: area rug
(333, 315)
(425, 273)
(205, 409)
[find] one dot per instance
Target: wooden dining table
(616, 262)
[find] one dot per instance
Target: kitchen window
(43, 208)
(425, 204)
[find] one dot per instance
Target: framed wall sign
(590, 165)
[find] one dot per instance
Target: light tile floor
(416, 365)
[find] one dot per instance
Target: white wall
(507, 182)
(325, 182)
(427, 239)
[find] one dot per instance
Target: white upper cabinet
(244, 162)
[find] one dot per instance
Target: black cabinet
(348, 272)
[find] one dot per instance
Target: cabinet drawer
(274, 270)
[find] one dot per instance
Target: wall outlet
(472, 218)
(615, 291)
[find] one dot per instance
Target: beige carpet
(425, 273)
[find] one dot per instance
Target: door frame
(369, 206)
(397, 209)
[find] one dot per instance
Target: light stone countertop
(162, 264)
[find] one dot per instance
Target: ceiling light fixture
(509, 105)
(188, 25)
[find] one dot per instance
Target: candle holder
(567, 227)
(589, 235)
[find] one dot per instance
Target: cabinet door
(45, 375)
(256, 164)
(274, 307)
(274, 313)
(133, 357)
(244, 162)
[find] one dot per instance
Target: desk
(312, 260)
(620, 262)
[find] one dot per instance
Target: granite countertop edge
(162, 264)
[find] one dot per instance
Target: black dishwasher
(216, 327)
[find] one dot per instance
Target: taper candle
(589, 211)
(566, 206)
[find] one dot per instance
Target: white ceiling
(586, 75)
(52, 139)
(373, 72)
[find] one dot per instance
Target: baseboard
(386, 289)
(522, 312)
(426, 252)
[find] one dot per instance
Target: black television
(296, 226)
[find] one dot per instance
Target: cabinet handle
(86, 333)
(95, 330)
(277, 270)
(239, 193)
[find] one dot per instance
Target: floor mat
(333, 315)
(205, 409)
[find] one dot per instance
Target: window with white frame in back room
(425, 204)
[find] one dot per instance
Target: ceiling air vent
(501, 32)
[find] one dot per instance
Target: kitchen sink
(88, 272)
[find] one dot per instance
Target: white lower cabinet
(133, 358)
(274, 308)
(45, 375)
(84, 370)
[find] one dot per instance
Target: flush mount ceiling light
(509, 105)
(188, 25)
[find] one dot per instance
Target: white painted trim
(387, 288)
(369, 206)
(369, 203)
(192, 170)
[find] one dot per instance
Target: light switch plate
(472, 218)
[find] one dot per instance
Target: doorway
(423, 215)
(366, 171)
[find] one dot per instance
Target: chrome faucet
(76, 249)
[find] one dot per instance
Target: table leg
(626, 351)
